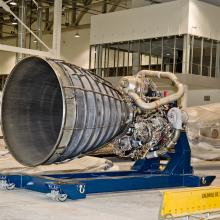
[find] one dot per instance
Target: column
(186, 54)
(135, 62)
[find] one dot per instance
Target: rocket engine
(53, 111)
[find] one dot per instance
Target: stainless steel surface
(53, 111)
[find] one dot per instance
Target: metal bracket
(5, 184)
(145, 174)
(57, 196)
(56, 193)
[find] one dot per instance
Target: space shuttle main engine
(53, 111)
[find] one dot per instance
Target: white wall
(196, 96)
(140, 23)
(139, 3)
(7, 62)
(144, 22)
(204, 19)
(172, 18)
(73, 50)
(76, 50)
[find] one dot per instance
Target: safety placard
(183, 202)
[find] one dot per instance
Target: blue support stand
(145, 174)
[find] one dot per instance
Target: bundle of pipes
(129, 84)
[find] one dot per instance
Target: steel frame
(145, 174)
(52, 53)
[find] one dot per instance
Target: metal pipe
(21, 42)
(74, 12)
(152, 105)
(166, 149)
(7, 8)
(30, 23)
(39, 26)
(174, 140)
(35, 2)
(53, 111)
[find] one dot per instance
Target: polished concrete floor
(136, 205)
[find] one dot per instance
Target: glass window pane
(217, 66)
(179, 54)
(123, 58)
(135, 49)
(196, 59)
(145, 54)
(120, 59)
(214, 51)
(112, 59)
(156, 52)
(168, 54)
(206, 57)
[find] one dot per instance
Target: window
(136, 56)
(156, 54)
(145, 50)
(178, 54)
(207, 49)
(215, 71)
(195, 55)
(168, 54)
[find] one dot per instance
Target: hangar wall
(171, 18)
(165, 19)
(196, 96)
(73, 50)
(76, 50)
(203, 19)
(7, 62)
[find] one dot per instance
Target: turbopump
(53, 111)
(156, 121)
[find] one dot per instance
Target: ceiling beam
(66, 29)
(14, 49)
(88, 5)
(114, 7)
(155, 2)
(104, 6)
(74, 12)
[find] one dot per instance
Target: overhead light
(13, 3)
(14, 22)
(35, 40)
(168, 54)
(77, 35)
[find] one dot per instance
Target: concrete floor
(138, 205)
